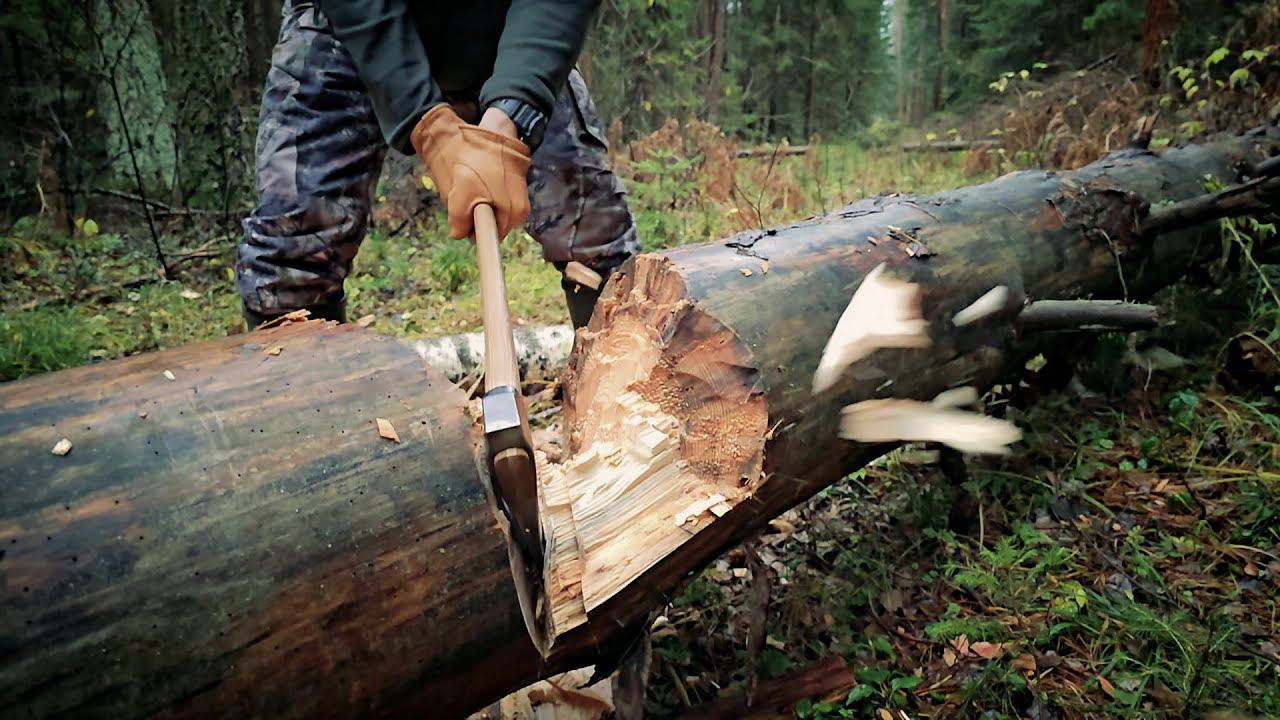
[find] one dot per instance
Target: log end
(665, 421)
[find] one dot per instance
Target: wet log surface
(252, 547)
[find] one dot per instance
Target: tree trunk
(240, 541)
(811, 75)
(899, 51)
(941, 61)
(711, 18)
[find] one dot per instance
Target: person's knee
(293, 258)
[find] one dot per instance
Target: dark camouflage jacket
(411, 53)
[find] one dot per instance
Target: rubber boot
(581, 300)
(335, 310)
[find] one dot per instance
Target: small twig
(1266, 168)
(1233, 201)
(1044, 315)
(128, 139)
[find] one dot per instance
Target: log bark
(251, 546)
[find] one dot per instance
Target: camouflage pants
(319, 154)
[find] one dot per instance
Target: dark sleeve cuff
(539, 45)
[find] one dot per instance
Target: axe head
(512, 467)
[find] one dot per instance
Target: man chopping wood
(484, 92)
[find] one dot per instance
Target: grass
(91, 295)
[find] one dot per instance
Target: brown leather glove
(488, 168)
(436, 138)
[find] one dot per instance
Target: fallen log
(773, 151)
(950, 145)
(541, 352)
(230, 534)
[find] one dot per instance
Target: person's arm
(540, 42)
(383, 41)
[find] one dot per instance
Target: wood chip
(722, 509)
(142, 413)
(883, 313)
(873, 240)
(275, 350)
(387, 430)
(191, 294)
(894, 420)
(991, 302)
(739, 573)
(697, 508)
(168, 374)
(62, 447)
(366, 320)
(764, 267)
(583, 275)
(745, 272)
(956, 397)
(782, 525)
(1025, 662)
(949, 657)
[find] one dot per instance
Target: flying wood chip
(168, 374)
(275, 350)
(883, 313)
(993, 301)
(894, 420)
(365, 320)
(387, 430)
(62, 447)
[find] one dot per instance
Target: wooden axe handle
(500, 366)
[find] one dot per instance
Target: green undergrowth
(68, 299)
(1123, 562)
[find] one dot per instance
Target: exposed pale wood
(663, 425)
(562, 697)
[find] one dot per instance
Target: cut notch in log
(664, 411)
